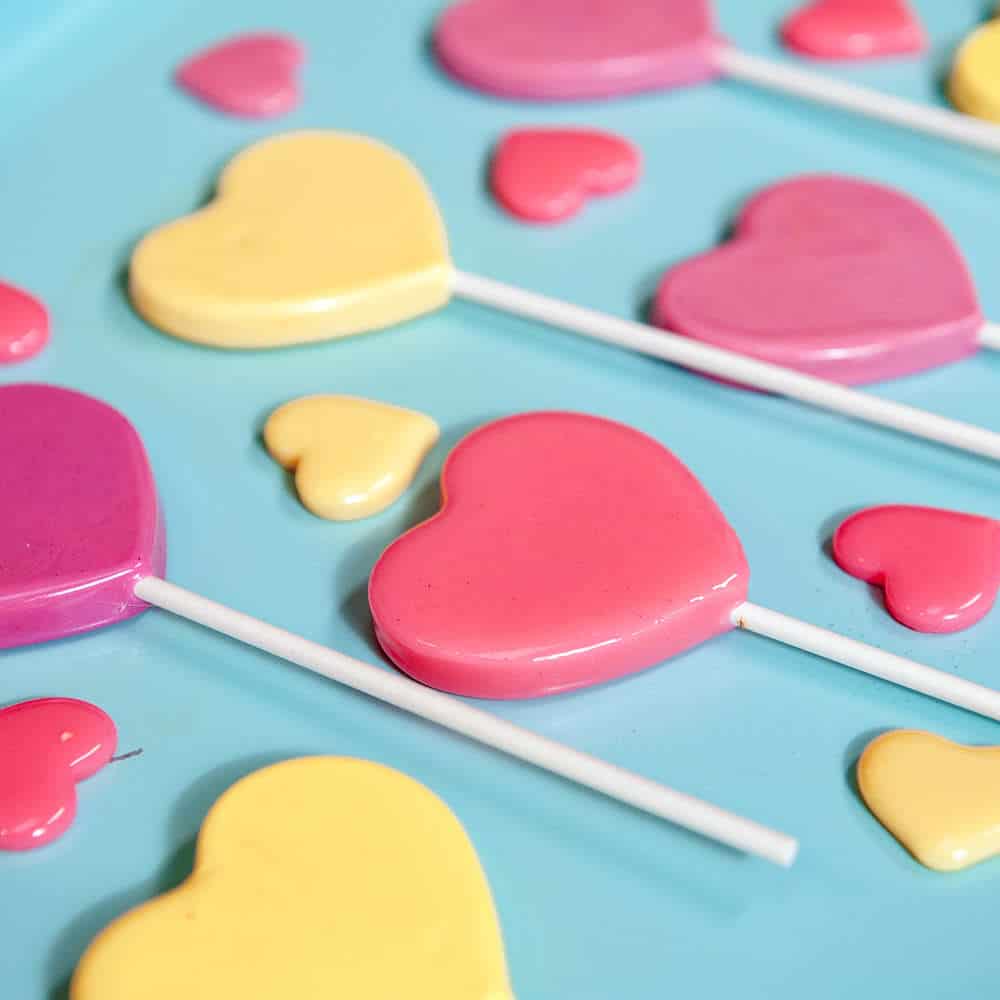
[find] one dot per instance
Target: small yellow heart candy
(315, 879)
(352, 457)
(940, 800)
(312, 235)
(974, 86)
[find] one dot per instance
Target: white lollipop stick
(868, 659)
(989, 336)
(730, 365)
(787, 79)
(615, 782)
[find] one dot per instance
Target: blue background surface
(595, 901)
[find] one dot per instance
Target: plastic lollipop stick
(989, 336)
(82, 545)
(581, 550)
(768, 292)
(382, 258)
(565, 50)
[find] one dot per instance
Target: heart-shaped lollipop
(24, 325)
(854, 29)
(312, 235)
(80, 544)
(47, 746)
(79, 512)
(362, 883)
(362, 247)
(836, 277)
(940, 569)
(974, 85)
(570, 550)
(352, 457)
(937, 798)
(546, 174)
(253, 75)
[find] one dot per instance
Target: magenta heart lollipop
(835, 277)
(81, 544)
(575, 49)
(571, 550)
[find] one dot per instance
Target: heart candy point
(46, 747)
(570, 550)
(974, 86)
(854, 29)
(940, 569)
(79, 518)
(314, 878)
(546, 175)
(311, 236)
(836, 277)
(937, 798)
(352, 457)
(565, 50)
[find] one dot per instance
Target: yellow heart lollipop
(940, 800)
(316, 878)
(311, 235)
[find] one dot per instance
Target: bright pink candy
(251, 75)
(570, 550)
(854, 29)
(24, 325)
(567, 49)
(46, 747)
(940, 570)
(546, 174)
(836, 277)
(79, 520)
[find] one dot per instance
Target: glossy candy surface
(854, 29)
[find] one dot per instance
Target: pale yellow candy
(315, 879)
(311, 235)
(940, 800)
(351, 457)
(974, 86)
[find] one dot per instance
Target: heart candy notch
(352, 457)
(547, 174)
(570, 550)
(311, 236)
(836, 277)
(252, 75)
(314, 878)
(46, 747)
(79, 524)
(854, 29)
(937, 798)
(565, 49)
(940, 570)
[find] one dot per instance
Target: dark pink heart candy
(567, 49)
(79, 519)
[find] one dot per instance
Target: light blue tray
(596, 902)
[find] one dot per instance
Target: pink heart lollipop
(572, 49)
(80, 546)
(940, 569)
(854, 29)
(570, 550)
(832, 276)
(47, 746)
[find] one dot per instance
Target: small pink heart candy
(570, 550)
(836, 277)
(546, 174)
(940, 570)
(24, 325)
(79, 519)
(252, 75)
(567, 49)
(46, 747)
(854, 29)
